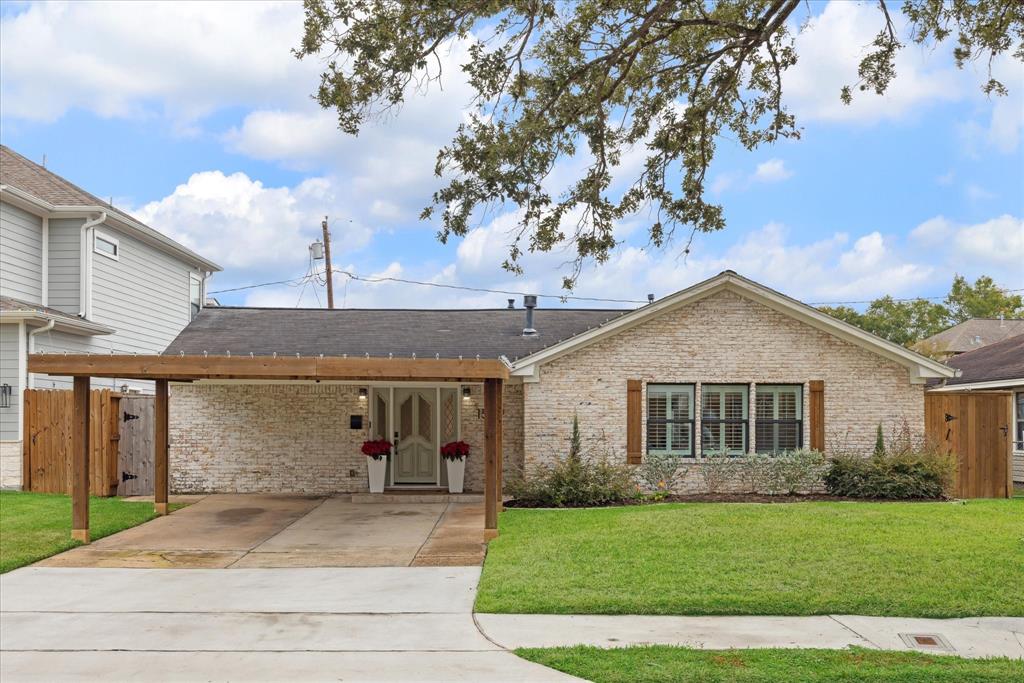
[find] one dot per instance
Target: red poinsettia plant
(377, 448)
(455, 450)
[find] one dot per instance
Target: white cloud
(998, 243)
(255, 232)
(946, 178)
(134, 60)
(830, 48)
(933, 232)
(772, 171)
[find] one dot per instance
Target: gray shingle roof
(24, 174)
(999, 361)
(973, 334)
(378, 332)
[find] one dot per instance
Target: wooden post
(327, 264)
(492, 456)
(80, 461)
(499, 451)
(160, 447)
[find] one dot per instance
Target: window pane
(657, 436)
(734, 401)
(657, 406)
(789, 436)
(764, 437)
(787, 404)
(765, 408)
(734, 437)
(711, 437)
(106, 247)
(681, 437)
(681, 406)
(712, 405)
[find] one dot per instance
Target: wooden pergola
(164, 369)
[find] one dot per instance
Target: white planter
(376, 468)
(456, 474)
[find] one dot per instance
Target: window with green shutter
(670, 419)
(778, 418)
(723, 418)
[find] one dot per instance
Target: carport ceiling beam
(184, 368)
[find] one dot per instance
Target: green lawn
(682, 665)
(36, 525)
(888, 559)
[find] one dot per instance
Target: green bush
(575, 482)
(908, 473)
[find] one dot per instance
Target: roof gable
(919, 367)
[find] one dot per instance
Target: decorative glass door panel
(416, 436)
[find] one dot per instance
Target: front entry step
(417, 496)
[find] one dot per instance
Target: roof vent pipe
(650, 298)
(530, 303)
(511, 304)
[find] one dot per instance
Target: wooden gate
(46, 449)
(975, 426)
(135, 468)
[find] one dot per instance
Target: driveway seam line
(281, 531)
(432, 530)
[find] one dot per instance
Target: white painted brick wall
(723, 339)
(296, 438)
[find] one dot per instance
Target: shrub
(718, 470)
(658, 472)
(905, 472)
(794, 472)
(578, 482)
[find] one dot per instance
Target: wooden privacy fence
(975, 426)
(46, 449)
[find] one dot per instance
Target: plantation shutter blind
(634, 420)
(817, 410)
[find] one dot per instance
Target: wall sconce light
(465, 393)
(124, 388)
(362, 393)
(5, 395)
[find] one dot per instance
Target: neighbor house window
(195, 294)
(723, 418)
(106, 245)
(778, 413)
(670, 419)
(1020, 422)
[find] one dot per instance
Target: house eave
(61, 324)
(987, 385)
(29, 202)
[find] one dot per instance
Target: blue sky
(196, 118)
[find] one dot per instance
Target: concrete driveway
(245, 624)
(264, 530)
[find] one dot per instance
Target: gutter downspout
(85, 266)
(32, 345)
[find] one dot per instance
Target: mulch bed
(727, 498)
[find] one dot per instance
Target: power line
(484, 290)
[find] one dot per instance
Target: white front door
(416, 447)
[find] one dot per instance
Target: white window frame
(705, 390)
(668, 390)
(98, 236)
(776, 389)
(1018, 422)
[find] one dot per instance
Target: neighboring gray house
(78, 275)
(970, 335)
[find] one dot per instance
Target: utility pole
(327, 264)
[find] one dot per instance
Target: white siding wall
(143, 295)
(64, 256)
(10, 418)
(21, 249)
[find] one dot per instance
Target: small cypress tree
(575, 444)
(879, 443)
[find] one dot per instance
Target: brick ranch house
(727, 364)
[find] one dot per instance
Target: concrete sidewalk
(974, 637)
(292, 624)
